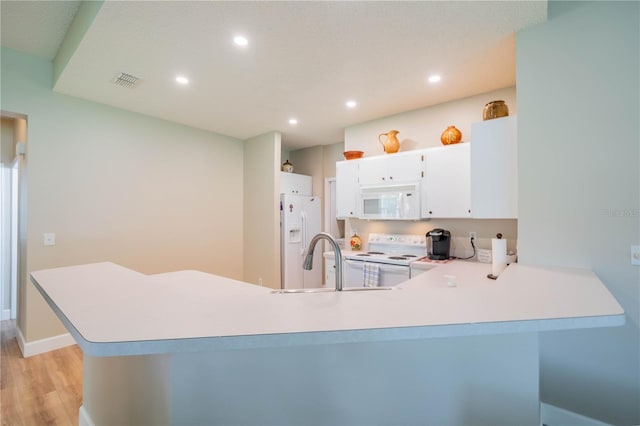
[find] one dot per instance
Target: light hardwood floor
(44, 389)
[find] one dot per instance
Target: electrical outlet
(472, 235)
(49, 239)
(635, 255)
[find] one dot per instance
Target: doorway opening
(12, 152)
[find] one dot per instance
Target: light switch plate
(635, 255)
(49, 239)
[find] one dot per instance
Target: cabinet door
(404, 167)
(295, 184)
(347, 188)
(373, 171)
(391, 168)
(446, 186)
(494, 168)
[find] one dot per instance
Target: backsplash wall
(486, 229)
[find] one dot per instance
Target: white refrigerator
(300, 220)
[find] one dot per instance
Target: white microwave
(398, 202)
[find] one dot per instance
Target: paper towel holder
(491, 276)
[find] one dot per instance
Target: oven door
(390, 275)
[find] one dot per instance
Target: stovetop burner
(371, 253)
(391, 249)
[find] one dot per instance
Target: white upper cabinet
(347, 189)
(494, 168)
(296, 184)
(389, 169)
(446, 185)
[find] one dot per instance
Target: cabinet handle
(430, 212)
(383, 178)
(390, 177)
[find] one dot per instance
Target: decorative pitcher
(391, 144)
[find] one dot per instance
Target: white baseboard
(6, 314)
(44, 345)
(84, 419)
(551, 415)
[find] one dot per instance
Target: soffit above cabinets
(304, 60)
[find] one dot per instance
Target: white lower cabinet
(419, 267)
(329, 270)
(446, 185)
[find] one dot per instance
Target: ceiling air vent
(127, 80)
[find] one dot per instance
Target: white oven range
(386, 263)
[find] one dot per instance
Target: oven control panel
(399, 239)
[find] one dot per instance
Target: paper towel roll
(498, 256)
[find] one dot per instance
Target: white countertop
(111, 310)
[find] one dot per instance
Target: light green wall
(308, 162)
(118, 186)
(262, 206)
(81, 22)
(331, 154)
(579, 190)
(284, 155)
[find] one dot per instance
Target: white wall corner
(44, 345)
(550, 415)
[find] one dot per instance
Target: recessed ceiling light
(293, 121)
(351, 104)
(241, 41)
(182, 80)
(434, 78)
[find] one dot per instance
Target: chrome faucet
(308, 260)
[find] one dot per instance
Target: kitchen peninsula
(193, 348)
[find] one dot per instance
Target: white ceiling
(304, 60)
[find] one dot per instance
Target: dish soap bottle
(355, 241)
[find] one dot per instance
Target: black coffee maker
(438, 244)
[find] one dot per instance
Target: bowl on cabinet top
(352, 155)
